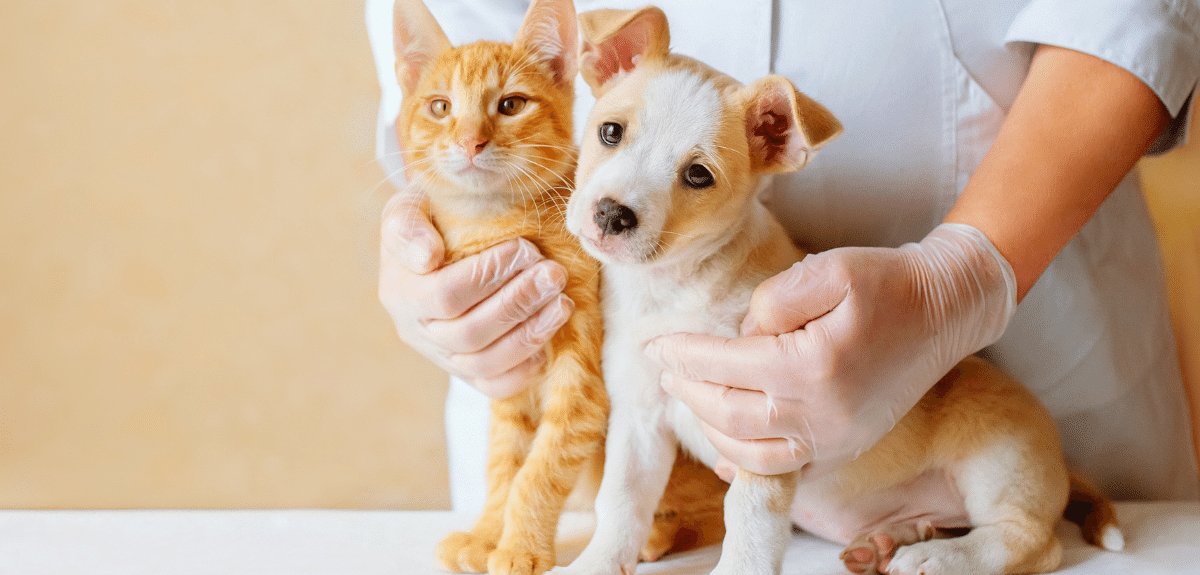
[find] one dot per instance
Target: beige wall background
(188, 229)
(188, 246)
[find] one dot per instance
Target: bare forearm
(1077, 127)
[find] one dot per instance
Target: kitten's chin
(483, 198)
(475, 178)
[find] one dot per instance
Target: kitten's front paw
(463, 552)
(505, 561)
(662, 539)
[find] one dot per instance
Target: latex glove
(838, 348)
(484, 318)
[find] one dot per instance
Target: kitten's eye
(611, 134)
(697, 177)
(512, 105)
(440, 108)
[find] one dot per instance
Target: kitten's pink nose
(472, 146)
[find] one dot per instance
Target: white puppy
(665, 199)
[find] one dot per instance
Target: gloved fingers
(452, 290)
(408, 236)
(500, 312)
(804, 292)
(762, 456)
(735, 413)
(512, 381)
(749, 363)
(737, 363)
(516, 346)
(725, 469)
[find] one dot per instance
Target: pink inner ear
(620, 53)
(772, 129)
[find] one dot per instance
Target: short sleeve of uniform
(1156, 40)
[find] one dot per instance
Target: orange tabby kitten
(486, 130)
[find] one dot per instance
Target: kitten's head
(487, 124)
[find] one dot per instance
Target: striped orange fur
(507, 109)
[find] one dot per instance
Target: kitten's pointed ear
(783, 126)
(616, 41)
(550, 33)
(418, 40)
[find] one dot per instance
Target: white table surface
(1161, 538)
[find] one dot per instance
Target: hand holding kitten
(484, 318)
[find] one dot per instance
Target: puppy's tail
(1095, 516)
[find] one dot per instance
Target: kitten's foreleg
(571, 432)
(509, 441)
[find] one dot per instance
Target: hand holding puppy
(835, 350)
(484, 318)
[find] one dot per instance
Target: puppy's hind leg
(757, 524)
(870, 553)
(1014, 495)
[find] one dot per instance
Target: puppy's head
(673, 150)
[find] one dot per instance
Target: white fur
(641, 301)
(1112, 538)
(677, 123)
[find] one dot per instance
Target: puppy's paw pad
(505, 561)
(861, 557)
(870, 553)
(463, 552)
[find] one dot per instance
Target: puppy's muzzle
(613, 218)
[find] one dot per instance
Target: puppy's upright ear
(418, 41)
(784, 127)
(550, 34)
(616, 41)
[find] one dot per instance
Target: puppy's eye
(512, 105)
(611, 134)
(440, 108)
(697, 177)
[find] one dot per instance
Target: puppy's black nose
(613, 218)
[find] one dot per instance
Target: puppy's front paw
(463, 552)
(506, 561)
(585, 568)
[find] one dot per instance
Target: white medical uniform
(922, 87)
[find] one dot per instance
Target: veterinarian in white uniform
(922, 89)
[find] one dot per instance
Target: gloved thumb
(408, 233)
(787, 301)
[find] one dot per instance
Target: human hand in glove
(835, 350)
(484, 318)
